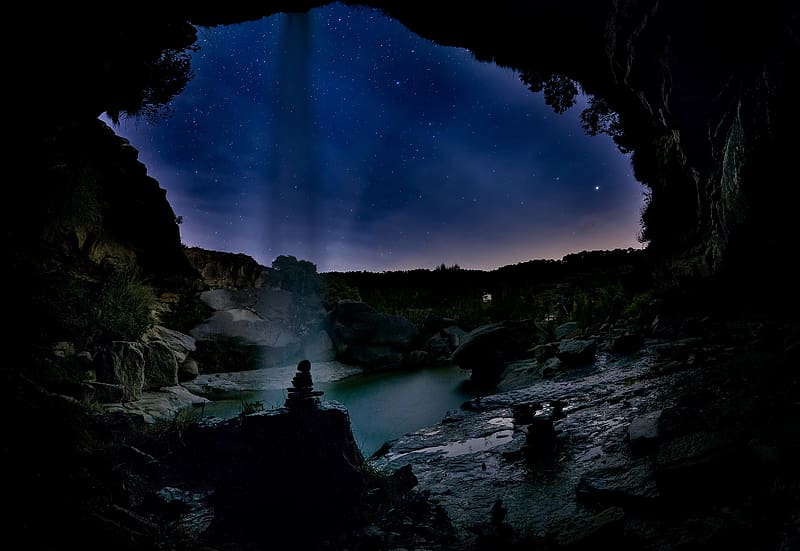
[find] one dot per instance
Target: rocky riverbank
(672, 443)
(164, 404)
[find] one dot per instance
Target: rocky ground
(164, 404)
(688, 440)
(673, 446)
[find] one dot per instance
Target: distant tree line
(586, 287)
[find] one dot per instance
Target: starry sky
(340, 137)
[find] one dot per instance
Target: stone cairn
(302, 394)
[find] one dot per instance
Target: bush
(124, 307)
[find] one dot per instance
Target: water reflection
(383, 406)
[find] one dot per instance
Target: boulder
(551, 368)
(188, 370)
(566, 330)
(159, 406)
(521, 374)
(543, 352)
(123, 363)
(306, 462)
(485, 349)
(160, 366)
(259, 327)
(104, 393)
(179, 343)
(577, 351)
(643, 433)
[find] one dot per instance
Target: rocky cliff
(221, 270)
(92, 236)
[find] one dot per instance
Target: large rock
(260, 327)
(123, 363)
(248, 326)
(485, 349)
(104, 393)
(363, 336)
(292, 469)
(159, 406)
(643, 433)
(166, 350)
(566, 330)
(160, 366)
(188, 370)
(179, 343)
(577, 351)
(442, 343)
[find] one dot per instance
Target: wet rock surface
(638, 449)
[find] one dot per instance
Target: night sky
(340, 137)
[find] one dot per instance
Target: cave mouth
(339, 136)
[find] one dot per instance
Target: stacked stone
(302, 393)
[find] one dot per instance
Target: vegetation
(586, 287)
(151, 83)
(247, 407)
(124, 306)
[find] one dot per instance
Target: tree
(559, 91)
(296, 276)
(147, 88)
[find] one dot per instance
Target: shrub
(124, 307)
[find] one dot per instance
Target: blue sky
(340, 137)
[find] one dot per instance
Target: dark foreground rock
(299, 470)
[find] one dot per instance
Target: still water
(383, 406)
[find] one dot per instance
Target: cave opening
(340, 136)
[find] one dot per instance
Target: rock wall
(221, 270)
